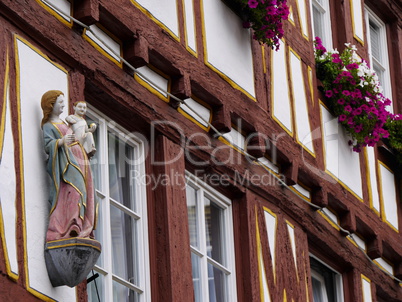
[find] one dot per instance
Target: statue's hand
(69, 139)
(92, 127)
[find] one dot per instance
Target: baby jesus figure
(82, 132)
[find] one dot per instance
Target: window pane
(375, 41)
(214, 231)
(317, 290)
(318, 24)
(99, 231)
(95, 160)
(124, 235)
(95, 288)
(123, 294)
(216, 284)
(191, 196)
(121, 171)
(195, 264)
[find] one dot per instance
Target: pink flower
(348, 108)
(329, 93)
(346, 92)
(341, 101)
(252, 3)
(352, 66)
(342, 118)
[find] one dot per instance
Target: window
(326, 283)
(122, 221)
(211, 243)
(321, 20)
(378, 51)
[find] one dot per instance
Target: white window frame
(383, 65)
(326, 21)
(140, 214)
(338, 279)
(204, 190)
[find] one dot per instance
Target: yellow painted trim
(11, 274)
(300, 21)
(21, 159)
(310, 82)
(293, 102)
(152, 89)
(266, 167)
(382, 207)
(288, 131)
(325, 160)
(306, 272)
(56, 14)
(264, 64)
(189, 49)
(188, 116)
(368, 180)
(100, 48)
(226, 142)
(260, 259)
(273, 257)
(352, 14)
(329, 220)
(220, 73)
(73, 244)
(158, 22)
(285, 299)
(352, 241)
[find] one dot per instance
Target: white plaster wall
(366, 291)
(61, 5)
(105, 42)
(389, 196)
(280, 89)
(199, 112)
(301, 5)
(164, 11)
(357, 15)
(8, 190)
(228, 44)
(340, 160)
(236, 138)
(302, 191)
(149, 76)
(372, 164)
(291, 232)
(37, 75)
(265, 290)
(300, 103)
(270, 222)
(190, 24)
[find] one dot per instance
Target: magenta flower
(342, 118)
(346, 92)
(352, 66)
(329, 93)
(348, 108)
(252, 3)
(341, 101)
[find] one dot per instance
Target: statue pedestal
(69, 261)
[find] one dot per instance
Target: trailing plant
(354, 94)
(264, 17)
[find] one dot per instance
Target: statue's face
(58, 106)
(80, 108)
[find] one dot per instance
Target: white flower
(347, 45)
(353, 47)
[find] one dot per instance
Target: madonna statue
(73, 211)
